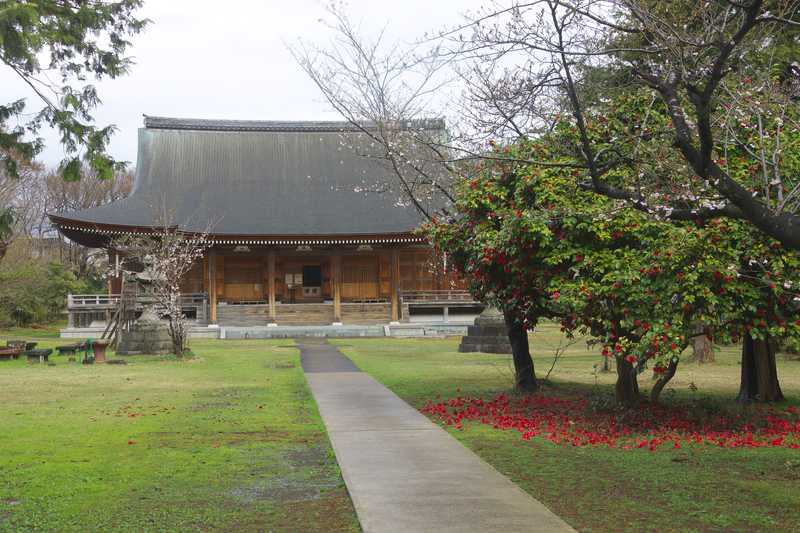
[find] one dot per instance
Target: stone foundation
(145, 337)
(488, 335)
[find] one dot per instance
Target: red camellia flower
(573, 422)
(631, 359)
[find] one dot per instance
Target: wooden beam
(336, 287)
(115, 281)
(395, 272)
(212, 285)
(271, 286)
(205, 274)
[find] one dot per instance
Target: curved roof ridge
(200, 124)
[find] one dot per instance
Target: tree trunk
(759, 372)
(525, 375)
(658, 386)
(627, 388)
(702, 350)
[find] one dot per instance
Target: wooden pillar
(271, 287)
(336, 287)
(109, 284)
(394, 267)
(115, 281)
(70, 313)
(205, 274)
(212, 285)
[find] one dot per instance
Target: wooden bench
(10, 353)
(70, 349)
(38, 356)
(23, 345)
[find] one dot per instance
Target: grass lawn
(50, 331)
(696, 488)
(228, 441)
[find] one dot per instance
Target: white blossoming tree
(168, 254)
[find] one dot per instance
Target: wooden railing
(95, 301)
(438, 297)
(82, 309)
(442, 299)
(110, 301)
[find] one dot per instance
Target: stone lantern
(148, 334)
(488, 335)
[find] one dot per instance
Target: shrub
(791, 346)
(35, 294)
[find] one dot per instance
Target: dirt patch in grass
(313, 477)
(331, 513)
(282, 365)
(206, 406)
(282, 490)
(179, 439)
(313, 456)
(225, 392)
(5, 514)
(327, 513)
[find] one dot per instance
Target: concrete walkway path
(405, 473)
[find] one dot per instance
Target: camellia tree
(536, 244)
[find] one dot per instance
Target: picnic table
(10, 353)
(25, 345)
(38, 356)
(71, 349)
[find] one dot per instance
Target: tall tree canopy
(55, 46)
(723, 72)
(683, 115)
(534, 242)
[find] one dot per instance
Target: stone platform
(426, 329)
(488, 335)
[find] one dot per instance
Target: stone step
(485, 348)
(487, 331)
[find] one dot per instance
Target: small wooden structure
(296, 239)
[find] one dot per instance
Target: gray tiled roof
(258, 178)
(277, 125)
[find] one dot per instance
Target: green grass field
(228, 441)
(601, 489)
(231, 441)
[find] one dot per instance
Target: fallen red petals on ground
(571, 422)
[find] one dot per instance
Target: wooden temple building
(298, 236)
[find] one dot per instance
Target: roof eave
(71, 228)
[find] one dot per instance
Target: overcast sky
(228, 60)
